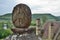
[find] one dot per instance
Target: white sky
(43, 6)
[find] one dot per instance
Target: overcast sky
(36, 6)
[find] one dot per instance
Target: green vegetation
(44, 19)
(49, 16)
(5, 33)
(7, 19)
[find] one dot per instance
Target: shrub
(5, 33)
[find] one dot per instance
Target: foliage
(4, 33)
(44, 19)
(33, 23)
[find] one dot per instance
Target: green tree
(44, 19)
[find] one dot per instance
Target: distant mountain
(49, 16)
(58, 17)
(6, 17)
(34, 16)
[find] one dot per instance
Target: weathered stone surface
(21, 30)
(21, 16)
(31, 36)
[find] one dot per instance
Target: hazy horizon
(32, 13)
(36, 6)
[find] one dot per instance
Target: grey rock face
(24, 37)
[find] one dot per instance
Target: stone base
(22, 31)
(25, 36)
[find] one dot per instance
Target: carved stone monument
(21, 18)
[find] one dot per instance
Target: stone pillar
(37, 26)
(50, 31)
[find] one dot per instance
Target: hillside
(48, 16)
(58, 17)
(6, 17)
(34, 16)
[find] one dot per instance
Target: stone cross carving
(21, 18)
